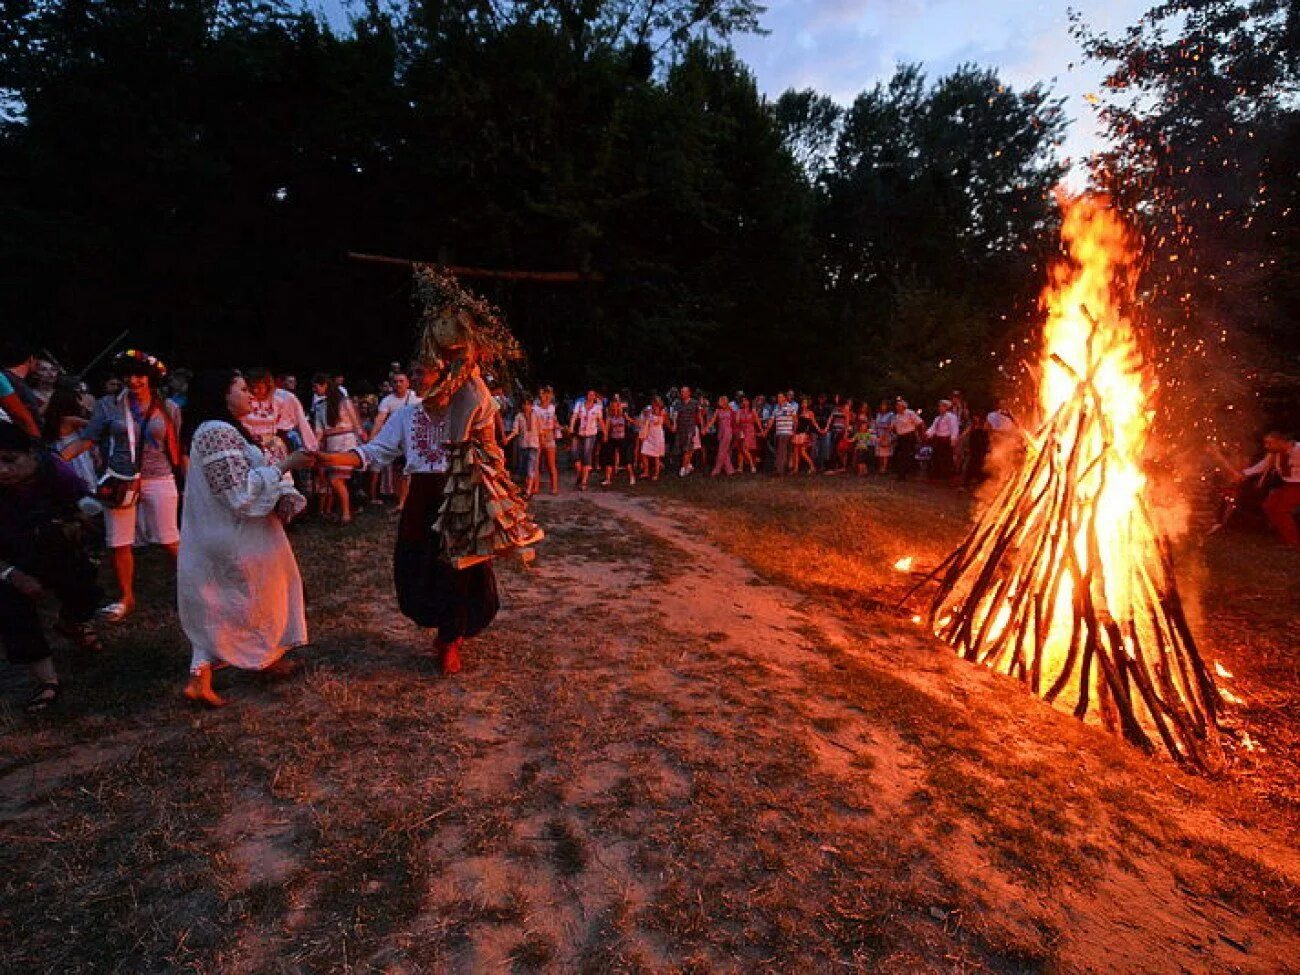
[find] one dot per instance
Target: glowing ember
(1066, 582)
(904, 564)
(1230, 697)
(1222, 671)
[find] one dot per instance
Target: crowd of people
(213, 468)
(782, 434)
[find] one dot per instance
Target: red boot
(449, 656)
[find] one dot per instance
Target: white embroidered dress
(238, 588)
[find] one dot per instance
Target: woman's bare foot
(200, 689)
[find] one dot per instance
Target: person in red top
(13, 408)
(1278, 472)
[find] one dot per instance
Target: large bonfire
(1067, 582)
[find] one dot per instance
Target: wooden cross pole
(551, 277)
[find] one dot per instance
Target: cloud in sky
(841, 47)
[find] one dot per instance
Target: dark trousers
(782, 461)
(430, 591)
(1281, 506)
(975, 472)
(72, 582)
(942, 464)
(905, 455)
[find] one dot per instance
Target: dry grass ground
(697, 739)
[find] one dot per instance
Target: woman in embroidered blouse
(431, 592)
(238, 589)
(261, 420)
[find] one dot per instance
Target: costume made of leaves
(482, 513)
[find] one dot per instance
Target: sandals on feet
(113, 612)
(45, 698)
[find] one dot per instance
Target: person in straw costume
(462, 509)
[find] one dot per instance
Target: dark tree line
(196, 170)
(1205, 154)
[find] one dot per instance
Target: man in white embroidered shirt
(1279, 474)
(908, 427)
(943, 435)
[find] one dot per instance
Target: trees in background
(1205, 153)
(196, 170)
(935, 215)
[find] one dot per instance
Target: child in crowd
(526, 433)
(864, 442)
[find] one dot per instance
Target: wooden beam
(551, 277)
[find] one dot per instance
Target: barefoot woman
(237, 585)
(462, 508)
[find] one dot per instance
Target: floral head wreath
(454, 322)
(135, 362)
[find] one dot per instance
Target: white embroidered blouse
(237, 477)
(413, 434)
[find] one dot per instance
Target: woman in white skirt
(136, 432)
(238, 588)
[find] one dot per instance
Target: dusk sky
(841, 47)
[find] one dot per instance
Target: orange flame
(904, 564)
(1066, 581)
(1087, 331)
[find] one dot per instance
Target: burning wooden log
(1067, 581)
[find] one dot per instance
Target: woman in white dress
(238, 588)
(652, 440)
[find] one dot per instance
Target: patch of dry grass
(836, 541)
(1049, 813)
(823, 534)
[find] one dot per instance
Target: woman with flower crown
(137, 433)
(462, 509)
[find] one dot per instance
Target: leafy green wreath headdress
(453, 322)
